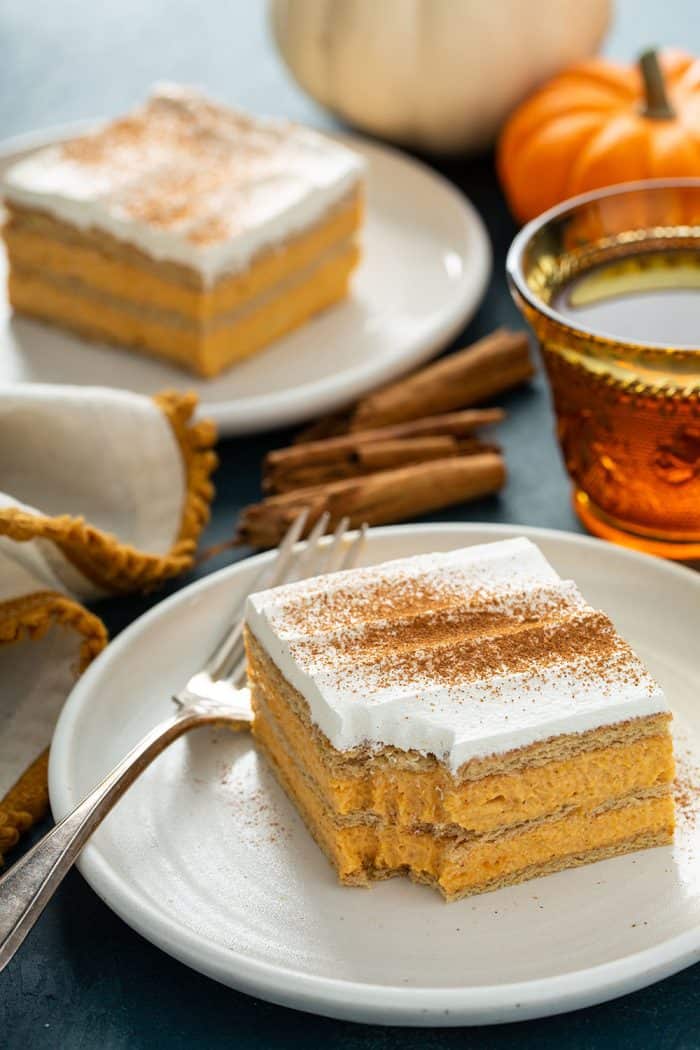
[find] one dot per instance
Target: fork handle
(30, 883)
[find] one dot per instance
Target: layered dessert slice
(185, 229)
(465, 718)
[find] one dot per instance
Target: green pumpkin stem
(656, 104)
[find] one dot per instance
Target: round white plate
(207, 859)
(426, 263)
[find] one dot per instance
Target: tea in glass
(610, 283)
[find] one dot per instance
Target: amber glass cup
(628, 412)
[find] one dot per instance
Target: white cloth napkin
(101, 492)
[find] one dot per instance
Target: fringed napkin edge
(117, 567)
(111, 565)
(29, 618)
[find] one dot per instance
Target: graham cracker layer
(565, 802)
(485, 806)
(206, 350)
(458, 867)
(663, 836)
(37, 241)
(412, 788)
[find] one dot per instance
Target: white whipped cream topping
(471, 717)
(186, 180)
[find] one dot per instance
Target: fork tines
(293, 561)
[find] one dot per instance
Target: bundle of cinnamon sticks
(404, 450)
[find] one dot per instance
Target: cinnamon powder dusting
(686, 792)
(384, 632)
(183, 162)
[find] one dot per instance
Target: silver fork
(215, 695)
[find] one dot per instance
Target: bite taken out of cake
(465, 718)
(185, 229)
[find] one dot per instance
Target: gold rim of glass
(522, 240)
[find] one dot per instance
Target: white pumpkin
(437, 74)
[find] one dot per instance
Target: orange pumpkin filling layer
(459, 865)
(579, 799)
(92, 284)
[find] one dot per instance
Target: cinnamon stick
(490, 366)
(370, 458)
(353, 454)
(379, 498)
(326, 427)
(385, 455)
(468, 377)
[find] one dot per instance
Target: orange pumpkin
(600, 123)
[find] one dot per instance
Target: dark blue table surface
(83, 978)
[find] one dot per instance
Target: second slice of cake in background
(185, 229)
(465, 718)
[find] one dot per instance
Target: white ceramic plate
(426, 263)
(207, 859)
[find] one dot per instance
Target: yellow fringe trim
(24, 804)
(195, 441)
(29, 618)
(112, 565)
(100, 556)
